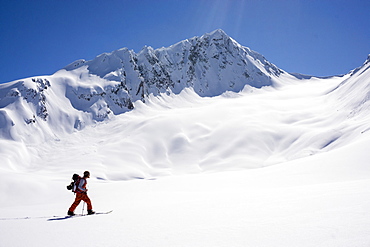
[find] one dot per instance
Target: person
(81, 195)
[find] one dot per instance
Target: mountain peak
(218, 33)
(216, 36)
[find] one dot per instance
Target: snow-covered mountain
(35, 110)
(211, 64)
(88, 91)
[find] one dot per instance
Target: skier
(81, 195)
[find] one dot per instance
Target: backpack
(74, 184)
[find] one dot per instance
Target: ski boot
(70, 213)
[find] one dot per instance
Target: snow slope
(281, 164)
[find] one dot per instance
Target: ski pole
(83, 206)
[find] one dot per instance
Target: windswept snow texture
(203, 143)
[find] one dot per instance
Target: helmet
(86, 174)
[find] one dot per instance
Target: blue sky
(39, 37)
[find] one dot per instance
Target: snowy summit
(203, 143)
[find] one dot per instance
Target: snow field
(174, 172)
(306, 202)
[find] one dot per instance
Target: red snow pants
(81, 197)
